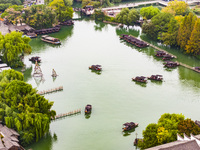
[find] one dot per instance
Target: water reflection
(46, 143)
(141, 84)
(87, 116)
(156, 82)
(98, 72)
(169, 69)
(27, 74)
(190, 76)
(127, 133)
(99, 26)
(38, 80)
(133, 30)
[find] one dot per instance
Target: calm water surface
(114, 97)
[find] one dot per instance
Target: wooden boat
(197, 69)
(54, 74)
(31, 35)
(160, 53)
(167, 57)
(88, 109)
(155, 77)
(50, 39)
(140, 79)
(129, 125)
(34, 59)
(171, 64)
(95, 67)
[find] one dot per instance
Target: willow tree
(22, 109)
(193, 44)
(12, 46)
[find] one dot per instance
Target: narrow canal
(114, 97)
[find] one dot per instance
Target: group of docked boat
(49, 30)
(143, 79)
(134, 41)
(167, 57)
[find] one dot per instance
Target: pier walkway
(60, 88)
(78, 111)
(181, 64)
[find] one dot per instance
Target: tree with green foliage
(162, 135)
(176, 8)
(133, 16)
(194, 44)
(12, 46)
(149, 12)
(170, 37)
(149, 136)
(128, 17)
(39, 16)
(98, 15)
(188, 127)
(164, 131)
(122, 16)
(4, 4)
(63, 12)
(157, 26)
(13, 14)
(22, 109)
(185, 30)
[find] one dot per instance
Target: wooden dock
(189, 67)
(75, 112)
(60, 88)
(155, 47)
(114, 23)
(181, 64)
(161, 49)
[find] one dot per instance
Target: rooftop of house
(8, 138)
(186, 143)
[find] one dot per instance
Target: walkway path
(131, 5)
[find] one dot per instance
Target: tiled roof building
(186, 143)
(9, 139)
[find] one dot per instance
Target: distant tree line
(22, 109)
(166, 130)
(176, 25)
(4, 4)
(40, 16)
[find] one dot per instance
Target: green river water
(114, 97)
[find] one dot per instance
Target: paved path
(131, 5)
(3, 28)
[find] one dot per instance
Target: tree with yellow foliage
(193, 44)
(185, 30)
(176, 8)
